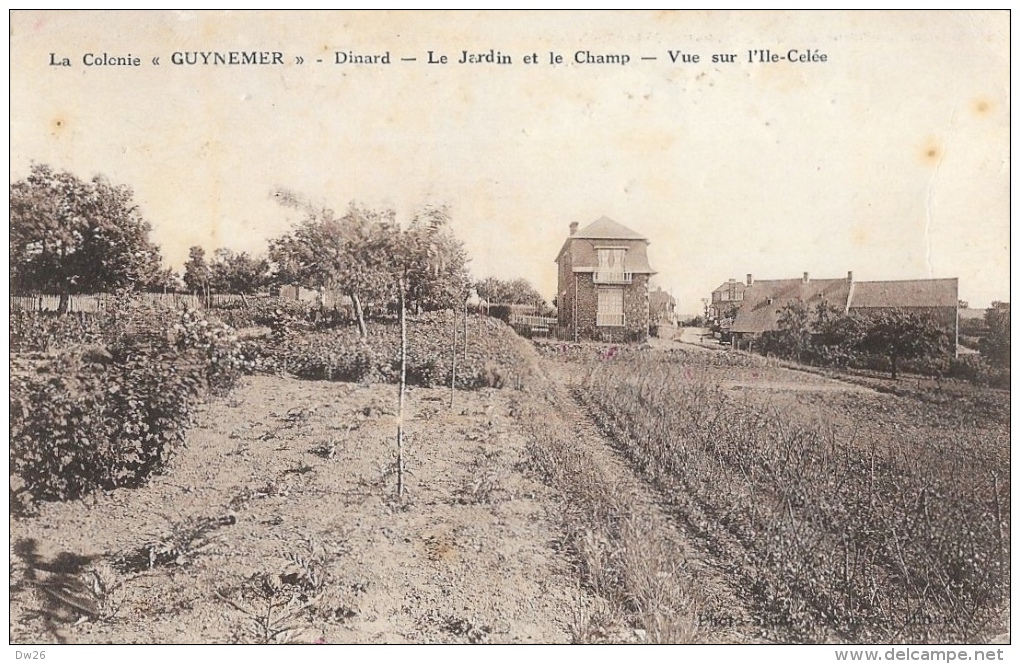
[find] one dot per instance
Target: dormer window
(611, 267)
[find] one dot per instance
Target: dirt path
(283, 500)
(697, 338)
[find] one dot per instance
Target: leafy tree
(366, 254)
(489, 289)
(70, 236)
(353, 254)
(793, 337)
(434, 262)
(238, 272)
(837, 336)
(995, 344)
(516, 291)
(164, 280)
(902, 335)
(824, 335)
(196, 271)
(729, 312)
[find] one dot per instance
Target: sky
(890, 158)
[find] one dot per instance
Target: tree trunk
(400, 398)
(360, 314)
(65, 296)
(892, 362)
(453, 370)
(464, 355)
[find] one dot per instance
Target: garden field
(279, 523)
(841, 513)
(175, 481)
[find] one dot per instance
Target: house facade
(602, 291)
(661, 307)
(765, 300)
(726, 299)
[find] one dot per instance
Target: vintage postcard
(383, 327)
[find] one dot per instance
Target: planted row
(834, 538)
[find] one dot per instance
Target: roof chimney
(806, 278)
(850, 276)
(573, 227)
(733, 281)
(750, 279)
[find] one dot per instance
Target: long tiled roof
(912, 293)
(764, 300)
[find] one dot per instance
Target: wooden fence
(98, 302)
(533, 325)
(103, 301)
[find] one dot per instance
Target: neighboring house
(937, 299)
(602, 289)
(726, 299)
(661, 307)
(764, 300)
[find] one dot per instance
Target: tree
(490, 289)
(995, 344)
(237, 273)
(434, 262)
(824, 334)
(516, 291)
(365, 253)
(729, 312)
(69, 236)
(837, 336)
(353, 254)
(902, 335)
(196, 271)
(520, 291)
(793, 337)
(164, 280)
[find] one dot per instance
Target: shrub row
(105, 416)
(972, 368)
(495, 355)
(80, 426)
(273, 311)
(35, 331)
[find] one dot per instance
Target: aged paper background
(890, 158)
(886, 152)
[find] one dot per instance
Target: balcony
(612, 277)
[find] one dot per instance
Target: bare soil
(280, 521)
(286, 481)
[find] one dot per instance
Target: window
(610, 269)
(610, 307)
